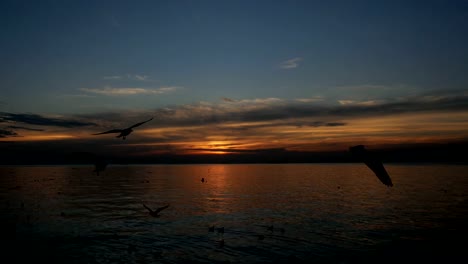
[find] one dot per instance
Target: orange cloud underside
(228, 137)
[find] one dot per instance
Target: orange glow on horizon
(248, 137)
(39, 137)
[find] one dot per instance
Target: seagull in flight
(124, 132)
(155, 213)
(373, 163)
(100, 165)
(100, 162)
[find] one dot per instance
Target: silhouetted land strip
(19, 154)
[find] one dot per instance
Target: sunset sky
(232, 76)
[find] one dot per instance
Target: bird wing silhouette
(110, 131)
(141, 123)
(149, 209)
(379, 170)
(373, 163)
(161, 208)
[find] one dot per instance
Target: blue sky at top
(55, 53)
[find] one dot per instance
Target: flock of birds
(359, 151)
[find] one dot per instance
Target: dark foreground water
(320, 213)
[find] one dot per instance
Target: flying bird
(155, 213)
(100, 162)
(373, 163)
(100, 165)
(124, 132)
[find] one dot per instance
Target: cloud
(263, 150)
(265, 112)
(291, 63)
(353, 94)
(115, 77)
(251, 125)
(281, 109)
(310, 100)
(128, 91)
(139, 77)
(225, 99)
(77, 96)
(135, 77)
(346, 102)
(7, 133)
(285, 112)
(25, 128)
(295, 123)
(34, 119)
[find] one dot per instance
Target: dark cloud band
(33, 119)
(7, 133)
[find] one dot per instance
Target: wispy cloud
(115, 77)
(310, 100)
(225, 99)
(135, 77)
(128, 91)
(25, 128)
(34, 119)
(272, 123)
(268, 109)
(264, 101)
(7, 133)
(291, 63)
(352, 94)
(139, 77)
(295, 111)
(361, 103)
(76, 96)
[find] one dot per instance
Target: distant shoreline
(455, 153)
(208, 164)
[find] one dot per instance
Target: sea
(239, 213)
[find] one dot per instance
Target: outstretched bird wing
(373, 163)
(149, 209)
(379, 170)
(161, 208)
(141, 123)
(110, 131)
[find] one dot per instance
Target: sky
(233, 76)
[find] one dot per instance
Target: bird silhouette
(155, 213)
(372, 162)
(124, 132)
(100, 165)
(100, 162)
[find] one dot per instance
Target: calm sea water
(320, 213)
